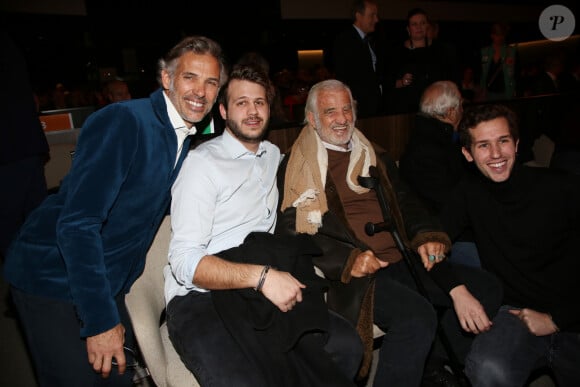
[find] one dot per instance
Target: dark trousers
(59, 355)
(409, 322)
(25, 188)
(507, 354)
(398, 300)
(208, 349)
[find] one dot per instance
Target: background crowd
(332, 178)
(433, 49)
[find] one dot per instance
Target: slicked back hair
(198, 45)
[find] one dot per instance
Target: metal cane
(372, 182)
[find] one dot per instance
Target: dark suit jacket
(87, 243)
(278, 343)
(292, 254)
(353, 66)
(432, 164)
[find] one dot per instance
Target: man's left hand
(431, 253)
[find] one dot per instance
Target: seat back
(146, 303)
(59, 164)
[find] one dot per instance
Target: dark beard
(235, 129)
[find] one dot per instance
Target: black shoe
(439, 377)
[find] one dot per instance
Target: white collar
(360, 32)
(236, 149)
(176, 121)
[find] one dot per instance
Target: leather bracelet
(262, 278)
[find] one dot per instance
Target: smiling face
(194, 86)
(247, 113)
(335, 121)
(493, 149)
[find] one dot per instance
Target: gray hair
(198, 45)
(326, 85)
(439, 97)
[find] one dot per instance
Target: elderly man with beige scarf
(369, 282)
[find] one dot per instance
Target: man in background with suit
(357, 60)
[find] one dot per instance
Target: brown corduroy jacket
(349, 296)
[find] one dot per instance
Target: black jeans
(409, 322)
(507, 354)
(210, 352)
(482, 284)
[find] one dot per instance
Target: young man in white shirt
(226, 191)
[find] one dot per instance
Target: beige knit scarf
(306, 176)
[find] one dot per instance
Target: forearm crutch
(372, 182)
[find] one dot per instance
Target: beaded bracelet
(262, 278)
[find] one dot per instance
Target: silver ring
(441, 256)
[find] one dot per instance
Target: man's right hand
(470, 312)
(366, 263)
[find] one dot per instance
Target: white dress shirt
(223, 192)
(178, 123)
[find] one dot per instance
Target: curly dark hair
(248, 72)
(474, 115)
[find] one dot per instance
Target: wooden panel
(390, 132)
(284, 137)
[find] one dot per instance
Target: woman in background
(498, 61)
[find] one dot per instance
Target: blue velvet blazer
(87, 243)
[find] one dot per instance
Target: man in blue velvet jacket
(79, 253)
